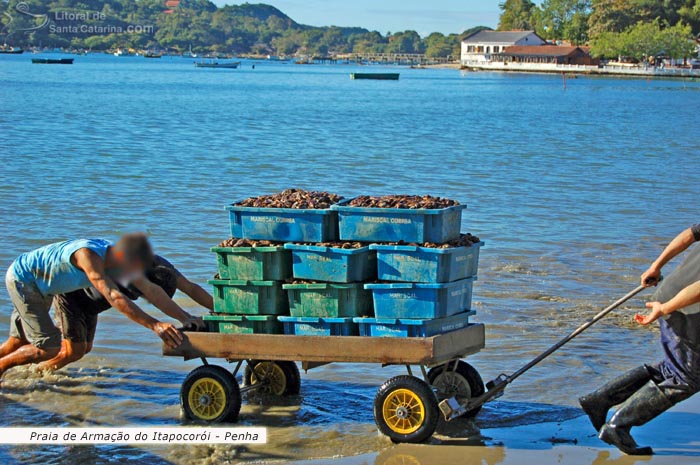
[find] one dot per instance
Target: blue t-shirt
(49, 267)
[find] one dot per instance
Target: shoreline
(585, 70)
(553, 442)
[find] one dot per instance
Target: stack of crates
(421, 291)
(311, 283)
(249, 294)
(332, 293)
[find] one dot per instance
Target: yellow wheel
(278, 378)
(207, 397)
(406, 409)
(210, 394)
(403, 411)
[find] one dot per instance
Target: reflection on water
(558, 185)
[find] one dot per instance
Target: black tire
(210, 394)
(400, 416)
(464, 382)
(292, 377)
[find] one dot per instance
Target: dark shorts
(76, 315)
(77, 312)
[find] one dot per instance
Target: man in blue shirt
(649, 390)
(77, 312)
(35, 277)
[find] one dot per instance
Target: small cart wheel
(210, 394)
(278, 378)
(406, 409)
(462, 382)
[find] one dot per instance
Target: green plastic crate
(242, 297)
(254, 263)
(327, 300)
(243, 324)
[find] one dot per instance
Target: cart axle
(451, 408)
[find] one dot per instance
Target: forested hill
(179, 24)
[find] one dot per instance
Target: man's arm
(688, 296)
(195, 292)
(157, 296)
(679, 244)
(93, 266)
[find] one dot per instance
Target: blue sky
(390, 15)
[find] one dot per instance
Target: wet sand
(673, 435)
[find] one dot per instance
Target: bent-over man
(35, 277)
(77, 312)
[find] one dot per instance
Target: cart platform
(405, 407)
(427, 351)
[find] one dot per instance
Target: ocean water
(574, 185)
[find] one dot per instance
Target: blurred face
(119, 265)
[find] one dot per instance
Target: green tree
(676, 41)
(517, 15)
(641, 41)
(439, 45)
(405, 42)
(613, 16)
(564, 19)
(644, 40)
(690, 13)
(606, 45)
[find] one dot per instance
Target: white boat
(189, 53)
(227, 65)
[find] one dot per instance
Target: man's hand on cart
(168, 333)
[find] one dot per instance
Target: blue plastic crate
(426, 265)
(398, 224)
(405, 327)
(283, 224)
(331, 264)
(309, 326)
(415, 300)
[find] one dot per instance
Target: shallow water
(574, 189)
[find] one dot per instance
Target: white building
(478, 47)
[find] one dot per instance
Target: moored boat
(229, 65)
(189, 53)
(376, 76)
(52, 61)
(11, 50)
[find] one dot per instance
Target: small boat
(376, 76)
(189, 53)
(152, 55)
(122, 53)
(11, 51)
(52, 61)
(231, 65)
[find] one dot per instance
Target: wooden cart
(405, 407)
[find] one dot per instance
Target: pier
(407, 59)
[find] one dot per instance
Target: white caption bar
(133, 435)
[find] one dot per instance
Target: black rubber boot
(598, 403)
(645, 405)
